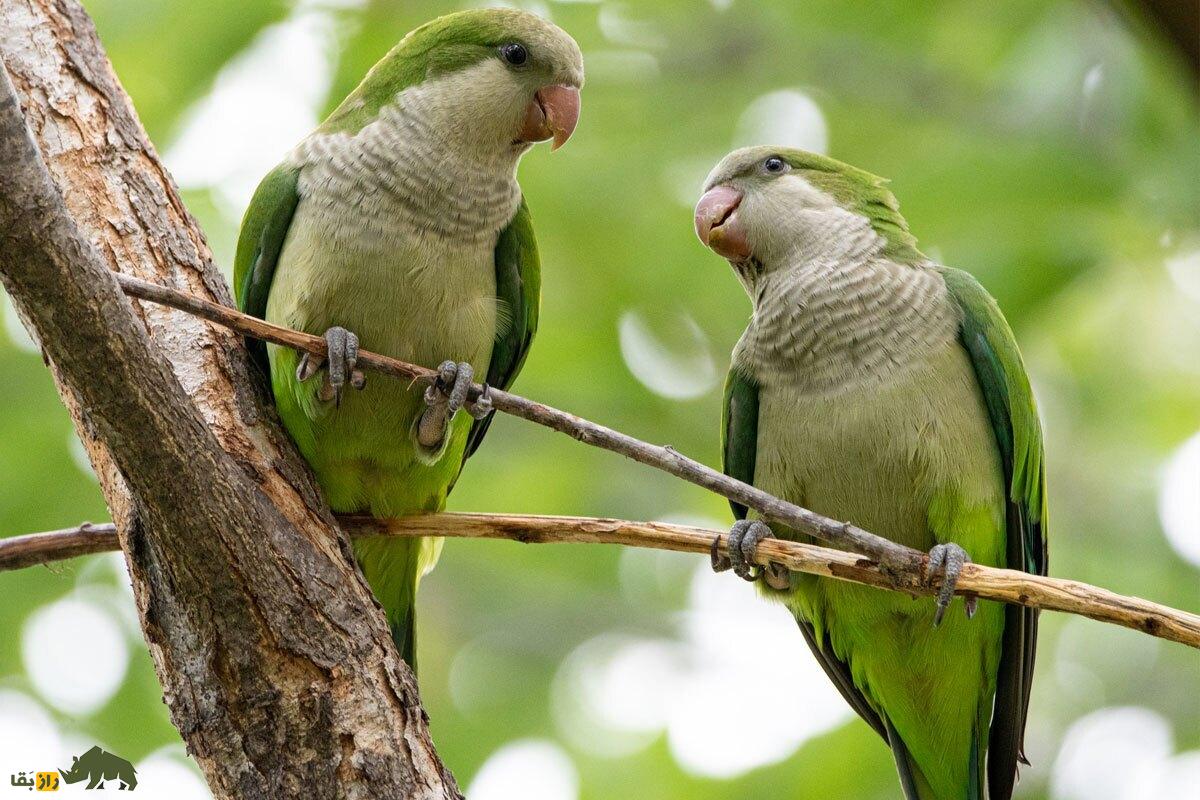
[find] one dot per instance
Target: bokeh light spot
(1184, 269)
(166, 774)
(673, 360)
(789, 118)
(1179, 500)
(620, 28)
(1175, 778)
(75, 654)
(1109, 753)
(735, 633)
(529, 769)
(263, 102)
(28, 735)
(593, 675)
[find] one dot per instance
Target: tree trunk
(275, 661)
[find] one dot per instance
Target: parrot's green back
(985, 335)
(950, 452)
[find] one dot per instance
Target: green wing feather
(260, 242)
(739, 447)
(1013, 415)
(739, 432)
(519, 291)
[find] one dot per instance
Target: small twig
(1004, 585)
(18, 552)
(842, 534)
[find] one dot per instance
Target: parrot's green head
(498, 79)
(765, 207)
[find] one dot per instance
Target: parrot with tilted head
(399, 223)
(876, 386)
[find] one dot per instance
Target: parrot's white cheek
(771, 227)
(486, 99)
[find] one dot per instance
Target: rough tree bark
(275, 661)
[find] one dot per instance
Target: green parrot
(877, 386)
(399, 222)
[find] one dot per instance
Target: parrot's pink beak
(717, 223)
(553, 113)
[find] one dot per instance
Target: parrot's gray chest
(824, 326)
(866, 396)
(396, 242)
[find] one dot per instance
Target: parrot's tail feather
(392, 566)
(904, 765)
(404, 634)
(913, 782)
(975, 788)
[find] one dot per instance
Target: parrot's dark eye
(775, 165)
(515, 54)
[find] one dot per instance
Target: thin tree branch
(886, 564)
(1004, 585)
(47, 547)
(666, 458)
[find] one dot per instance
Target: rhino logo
(99, 766)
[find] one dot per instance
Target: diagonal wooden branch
(863, 557)
(666, 458)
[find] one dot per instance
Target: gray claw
(948, 559)
(342, 347)
(482, 405)
(744, 538)
(737, 556)
(444, 397)
(720, 561)
(463, 375)
(310, 364)
(451, 386)
(343, 355)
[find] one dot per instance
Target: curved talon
(309, 365)
(444, 397)
(445, 377)
(342, 348)
(482, 405)
(460, 389)
(948, 559)
(737, 561)
(720, 561)
(744, 538)
(451, 386)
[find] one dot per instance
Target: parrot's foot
(342, 346)
(444, 397)
(948, 559)
(744, 538)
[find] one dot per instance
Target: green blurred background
(1047, 147)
